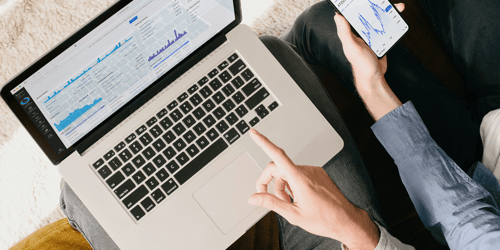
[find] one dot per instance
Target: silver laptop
(147, 109)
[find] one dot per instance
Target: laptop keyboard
(152, 163)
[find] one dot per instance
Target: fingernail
(252, 130)
(254, 201)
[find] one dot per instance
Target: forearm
(377, 96)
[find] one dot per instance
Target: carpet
(29, 183)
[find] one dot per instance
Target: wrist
(377, 96)
(366, 234)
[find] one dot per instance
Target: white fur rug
(29, 183)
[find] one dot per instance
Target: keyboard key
(253, 101)
(182, 158)
(231, 118)
(119, 147)
(179, 129)
(200, 161)
(159, 161)
(98, 163)
(140, 130)
(166, 123)
(196, 99)
(228, 90)
(179, 144)
(213, 73)
(223, 65)
(162, 113)
(202, 142)
(193, 89)
(233, 57)
(261, 111)
(128, 169)
(172, 167)
(176, 115)
(189, 136)
(146, 139)
(229, 105)
(149, 169)
(247, 75)
(273, 106)
(137, 212)
(242, 127)
(158, 196)
(238, 97)
(125, 155)
(186, 107)
(225, 76)
(156, 131)
(135, 147)
(215, 84)
(169, 137)
(199, 113)
(130, 138)
(169, 153)
(138, 161)
(148, 204)
(135, 196)
(189, 121)
(152, 183)
(109, 154)
(192, 150)
(104, 172)
(232, 135)
(237, 82)
(241, 111)
(218, 97)
(169, 187)
(149, 153)
(222, 126)
(124, 189)
(237, 67)
(115, 180)
(115, 163)
(139, 177)
(209, 121)
(206, 92)
(199, 128)
(219, 113)
(162, 175)
(182, 97)
(254, 121)
(159, 145)
(172, 105)
(212, 134)
(208, 105)
(151, 121)
(251, 87)
(203, 81)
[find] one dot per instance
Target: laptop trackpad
(225, 197)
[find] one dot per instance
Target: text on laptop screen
(112, 64)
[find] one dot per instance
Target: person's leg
(346, 169)
(470, 32)
(443, 111)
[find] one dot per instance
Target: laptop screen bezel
(108, 124)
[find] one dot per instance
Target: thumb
(274, 203)
(343, 29)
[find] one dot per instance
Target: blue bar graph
(370, 30)
(75, 115)
(169, 43)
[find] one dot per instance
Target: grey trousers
(346, 169)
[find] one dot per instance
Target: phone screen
(376, 21)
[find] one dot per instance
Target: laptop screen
(112, 64)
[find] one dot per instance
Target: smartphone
(377, 22)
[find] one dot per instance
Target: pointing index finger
(277, 154)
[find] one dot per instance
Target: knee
(316, 17)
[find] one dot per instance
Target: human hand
(366, 67)
(319, 207)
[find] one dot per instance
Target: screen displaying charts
(376, 21)
(126, 58)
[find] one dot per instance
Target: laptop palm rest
(225, 197)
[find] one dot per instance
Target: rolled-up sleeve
(444, 196)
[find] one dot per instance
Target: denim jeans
(346, 169)
(469, 30)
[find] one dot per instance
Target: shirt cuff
(387, 241)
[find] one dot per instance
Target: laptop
(146, 110)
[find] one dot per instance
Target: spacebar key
(201, 161)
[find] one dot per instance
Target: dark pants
(470, 31)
